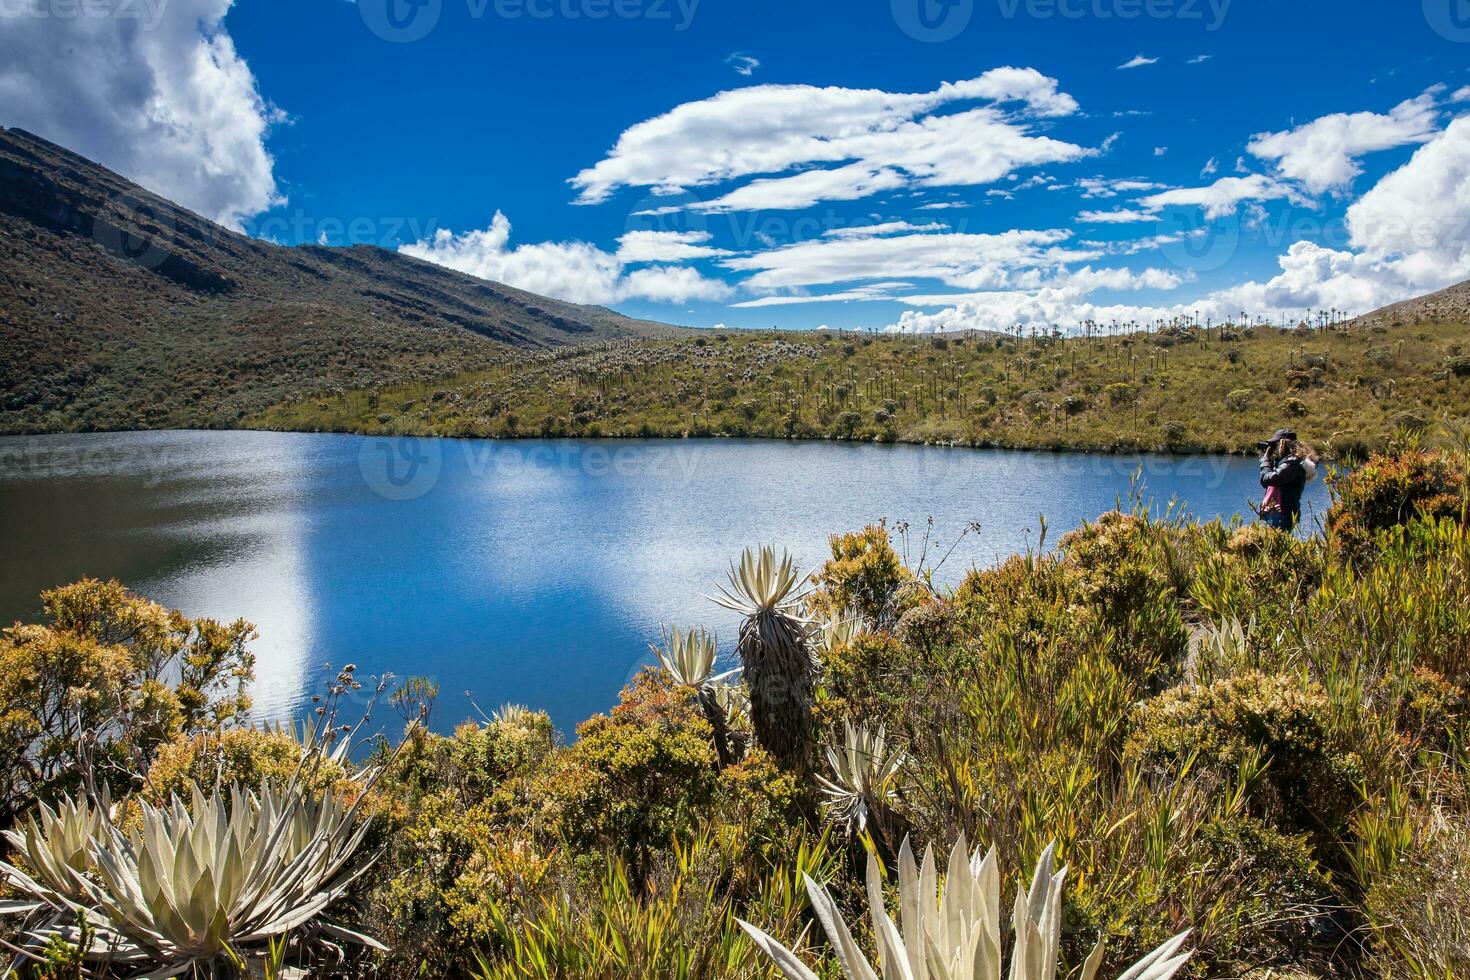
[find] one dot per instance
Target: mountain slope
(119, 309)
(1449, 305)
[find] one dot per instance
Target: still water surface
(533, 572)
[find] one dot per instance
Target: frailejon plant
(775, 651)
(192, 887)
(863, 768)
(689, 657)
(952, 929)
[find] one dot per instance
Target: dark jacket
(1289, 477)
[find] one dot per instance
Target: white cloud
(1160, 150)
(1323, 154)
(963, 261)
(1200, 59)
(743, 64)
(1418, 217)
(1105, 187)
(666, 246)
(1081, 282)
(1221, 198)
(801, 191)
(862, 294)
(883, 228)
(574, 271)
(1409, 235)
(1461, 95)
(942, 205)
(161, 97)
(1211, 167)
(1122, 216)
(789, 135)
(1137, 61)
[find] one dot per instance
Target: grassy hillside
(121, 310)
(1185, 390)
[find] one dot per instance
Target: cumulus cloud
(1418, 217)
(1094, 187)
(154, 90)
(1122, 216)
(883, 228)
(1409, 235)
(1323, 154)
(861, 294)
(666, 246)
(574, 271)
(808, 144)
(1221, 198)
(963, 261)
(1081, 282)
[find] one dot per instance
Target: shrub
(1128, 583)
(1432, 712)
(925, 625)
(1390, 490)
(1285, 900)
(245, 756)
(636, 777)
(1240, 399)
(863, 576)
(98, 666)
(1286, 721)
(861, 679)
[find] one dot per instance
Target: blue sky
(712, 161)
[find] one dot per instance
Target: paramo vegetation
(1151, 749)
(1182, 387)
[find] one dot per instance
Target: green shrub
(635, 778)
(1278, 719)
(247, 756)
(1433, 713)
(115, 665)
(863, 576)
(1284, 901)
(1390, 490)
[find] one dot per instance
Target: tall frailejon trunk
(779, 673)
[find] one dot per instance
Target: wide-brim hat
(1284, 434)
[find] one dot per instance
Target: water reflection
(535, 572)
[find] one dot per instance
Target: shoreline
(1036, 447)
